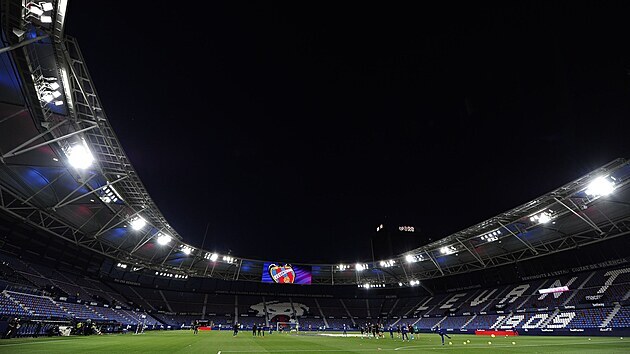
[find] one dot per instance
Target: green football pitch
(223, 342)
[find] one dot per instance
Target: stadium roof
(51, 115)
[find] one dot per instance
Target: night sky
(295, 129)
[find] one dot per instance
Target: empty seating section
(184, 302)
(407, 306)
(430, 304)
(375, 306)
(80, 311)
(455, 322)
(333, 308)
(313, 322)
(103, 290)
(482, 322)
(309, 304)
(177, 320)
(422, 322)
(621, 319)
(252, 306)
(507, 306)
(40, 306)
(599, 294)
(111, 314)
(357, 307)
(137, 296)
(219, 304)
(10, 307)
(337, 323)
(588, 318)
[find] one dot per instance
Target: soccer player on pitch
(442, 333)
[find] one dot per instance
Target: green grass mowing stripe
(213, 342)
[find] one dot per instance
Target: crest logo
(282, 274)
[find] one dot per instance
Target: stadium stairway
(168, 306)
(343, 304)
(575, 292)
(322, 312)
(610, 316)
(470, 320)
(544, 323)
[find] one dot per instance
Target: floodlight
(214, 257)
(54, 85)
(80, 157)
(35, 10)
(359, 267)
(444, 250)
(138, 223)
(46, 19)
(46, 6)
(186, 249)
(410, 258)
(58, 103)
(47, 97)
(164, 239)
(600, 186)
(544, 218)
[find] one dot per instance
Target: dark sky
(293, 130)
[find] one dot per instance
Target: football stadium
(90, 264)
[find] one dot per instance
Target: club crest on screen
(282, 274)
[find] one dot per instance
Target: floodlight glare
(214, 257)
(600, 186)
(138, 223)
(359, 267)
(46, 6)
(80, 157)
(544, 218)
(410, 258)
(186, 250)
(164, 239)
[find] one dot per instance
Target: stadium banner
(284, 273)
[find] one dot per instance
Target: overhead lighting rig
(211, 256)
(446, 250)
(361, 267)
(411, 258)
(38, 11)
(543, 217)
(600, 186)
(491, 236)
(48, 90)
(387, 264)
(163, 239)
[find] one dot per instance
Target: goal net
(287, 326)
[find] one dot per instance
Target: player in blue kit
(442, 333)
